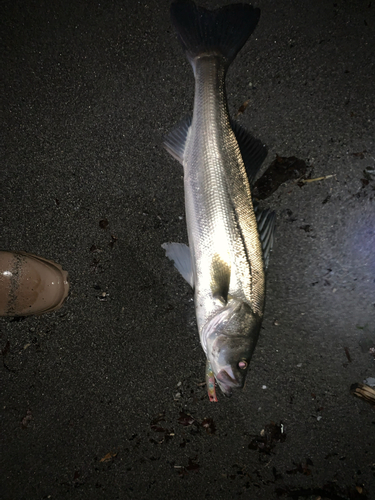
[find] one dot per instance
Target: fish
(230, 238)
(210, 383)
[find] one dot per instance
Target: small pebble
(370, 381)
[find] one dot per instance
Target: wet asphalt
(105, 398)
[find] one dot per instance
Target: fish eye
(242, 364)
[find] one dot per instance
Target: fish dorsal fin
(175, 141)
(253, 151)
(180, 254)
(266, 227)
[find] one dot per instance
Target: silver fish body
(224, 263)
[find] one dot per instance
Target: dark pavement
(104, 399)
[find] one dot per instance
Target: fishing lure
(210, 383)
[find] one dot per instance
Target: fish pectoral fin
(175, 141)
(180, 254)
(220, 278)
(253, 151)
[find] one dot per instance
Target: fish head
(231, 336)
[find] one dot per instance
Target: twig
(317, 178)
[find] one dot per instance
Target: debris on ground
(363, 391)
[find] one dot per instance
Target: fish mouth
(227, 382)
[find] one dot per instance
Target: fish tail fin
(219, 32)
